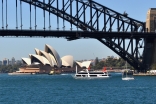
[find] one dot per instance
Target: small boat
(33, 73)
(54, 72)
(127, 74)
(51, 72)
(91, 74)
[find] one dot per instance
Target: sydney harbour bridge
(78, 19)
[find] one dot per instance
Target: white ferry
(91, 74)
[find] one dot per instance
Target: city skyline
(79, 49)
(11, 61)
(115, 57)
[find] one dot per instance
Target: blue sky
(80, 49)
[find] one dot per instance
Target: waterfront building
(45, 61)
(112, 57)
(103, 59)
(117, 57)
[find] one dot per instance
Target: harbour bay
(64, 89)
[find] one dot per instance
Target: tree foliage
(9, 68)
(113, 63)
(153, 66)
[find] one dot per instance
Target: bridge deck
(74, 34)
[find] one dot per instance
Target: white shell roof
(46, 55)
(54, 53)
(68, 59)
(84, 64)
(79, 63)
(27, 61)
(52, 60)
(64, 63)
(37, 57)
(37, 51)
(45, 60)
(42, 59)
(31, 55)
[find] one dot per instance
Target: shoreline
(144, 74)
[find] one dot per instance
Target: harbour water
(64, 89)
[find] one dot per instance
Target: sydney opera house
(47, 60)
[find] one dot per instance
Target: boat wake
(64, 74)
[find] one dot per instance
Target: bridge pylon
(149, 57)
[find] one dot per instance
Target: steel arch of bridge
(110, 20)
(123, 22)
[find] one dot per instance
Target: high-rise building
(18, 61)
(8, 62)
(5, 61)
(13, 61)
(151, 20)
(0, 62)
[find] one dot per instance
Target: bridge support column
(149, 57)
(154, 52)
(153, 61)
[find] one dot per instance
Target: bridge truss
(119, 32)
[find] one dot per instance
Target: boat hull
(127, 78)
(90, 77)
(19, 73)
(93, 76)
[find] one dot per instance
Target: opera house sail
(49, 60)
(45, 61)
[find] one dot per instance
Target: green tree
(110, 62)
(100, 65)
(9, 68)
(153, 66)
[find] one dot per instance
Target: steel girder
(134, 57)
(110, 18)
(100, 18)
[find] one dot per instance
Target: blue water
(64, 89)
